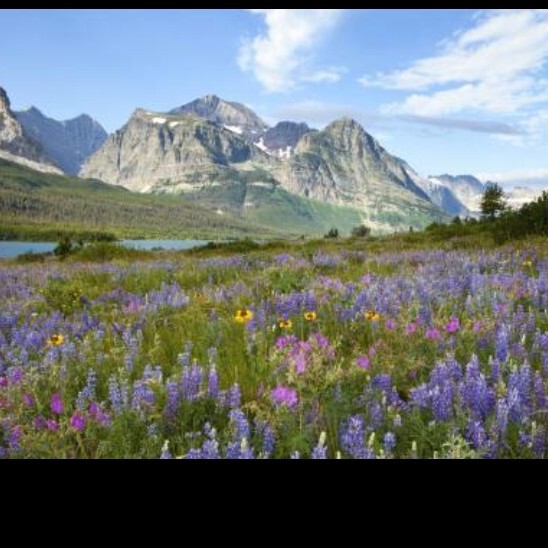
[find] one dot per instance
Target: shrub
(361, 231)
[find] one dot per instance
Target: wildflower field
(314, 353)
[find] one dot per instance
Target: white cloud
(495, 68)
(280, 58)
(529, 177)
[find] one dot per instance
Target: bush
(361, 231)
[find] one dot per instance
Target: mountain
(346, 166)
(467, 189)
(233, 116)
(193, 151)
(68, 143)
(282, 139)
(171, 153)
(15, 144)
(440, 194)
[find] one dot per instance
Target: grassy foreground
(320, 350)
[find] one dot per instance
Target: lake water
(10, 250)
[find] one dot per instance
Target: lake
(10, 250)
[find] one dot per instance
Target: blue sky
(457, 91)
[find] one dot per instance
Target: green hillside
(40, 206)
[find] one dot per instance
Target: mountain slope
(15, 144)
(467, 189)
(41, 205)
(68, 143)
(344, 165)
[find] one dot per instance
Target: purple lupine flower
(284, 396)
(382, 383)
(390, 443)
(213, 383)
(239, 425)
(442, 402)
(143, 396)
(15, 375)
(14, 439)
(476, 395)
(269, 441)
(502, 346)
(191, 382)
(193, 454)
(88, 393)
(233, 397)
(210, 448)
(115, 396)
(353, 438)
(173, 399)
(56, 404)
(540, 392)
(476, 435)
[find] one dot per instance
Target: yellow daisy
(56, 340)
(311, 316)
(285, 324)
(243, 316)
(373, 316)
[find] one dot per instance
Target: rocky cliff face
(233, 116)
(344, 165)
(15, 144)
(170, 153)
(69, 144)
(281, 140)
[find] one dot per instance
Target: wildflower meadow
(315, 353)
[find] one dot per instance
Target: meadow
(304, 351)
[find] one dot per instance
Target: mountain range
(224, 157)
(68, 144)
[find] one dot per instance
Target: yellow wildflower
(243, 316)
(373, 316)
(285, 324)
(56, 340)
(311, 316)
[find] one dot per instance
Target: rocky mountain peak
(68, 143)
(15, 143)
(234, 116)
(4, 101)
